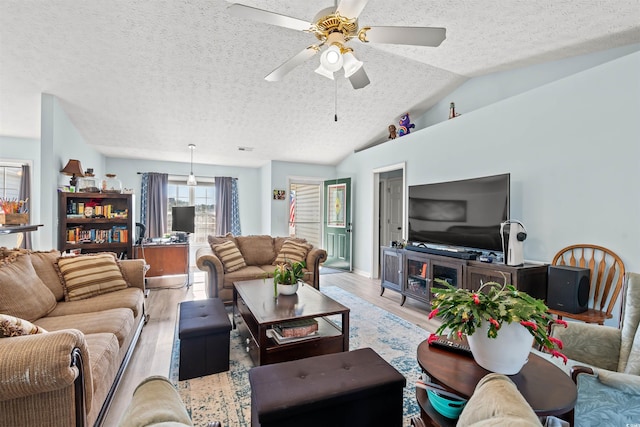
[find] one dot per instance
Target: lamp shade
(324, 72)
(73, 168)
(331, 59)
(351, 64)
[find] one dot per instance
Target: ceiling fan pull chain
(335, 117)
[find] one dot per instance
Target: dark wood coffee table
(544, 386)
(256, 311)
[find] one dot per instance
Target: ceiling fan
(334, 27)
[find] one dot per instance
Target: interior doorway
(389, 207)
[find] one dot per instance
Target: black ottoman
(203, 330)
(350, 389)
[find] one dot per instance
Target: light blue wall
(60, 141)
(280, 175)
(481, 91)
(248, 183)
(571, 146)
(265, 197)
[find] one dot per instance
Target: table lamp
(73, 168)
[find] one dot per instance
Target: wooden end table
(256, 311)
(544, 386)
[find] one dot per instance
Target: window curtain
(227, 206)
(25, 194)
(153, 203)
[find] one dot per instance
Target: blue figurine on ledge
(405, 125)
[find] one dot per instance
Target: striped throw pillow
(230, 255)
(86, 276)
(11, 326)
(292, 251)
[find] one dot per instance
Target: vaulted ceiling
(145, 78)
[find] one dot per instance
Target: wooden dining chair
(606, 278)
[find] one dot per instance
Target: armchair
(609, 386)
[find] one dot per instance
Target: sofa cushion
(292, 251)
(231, 258)
(250, 272)
(118, 321)
(104, 360)
(131, 298)
(22, 293)
(44, 263)
(86, 276)
(217, 240)
(257, 250)
(11, 326)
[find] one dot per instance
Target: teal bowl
(446, 406)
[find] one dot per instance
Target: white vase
(287, 289)
(507, 353)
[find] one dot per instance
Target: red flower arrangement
(462, 311)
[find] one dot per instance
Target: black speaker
(568, 288)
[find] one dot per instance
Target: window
(202, 197)
(10, 176)
(305, 211)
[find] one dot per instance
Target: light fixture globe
(324, 72)
(351, 64)
(331, 59)
(191, 180)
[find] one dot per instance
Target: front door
(337, 223)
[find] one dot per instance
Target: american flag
(292, 207)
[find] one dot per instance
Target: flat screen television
(462, 214)
(182, 218)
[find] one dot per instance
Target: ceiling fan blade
(351, 8)
(242, 11)
(420, 36)
(292, 63)
(359, 79)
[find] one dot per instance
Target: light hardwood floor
(153, 353)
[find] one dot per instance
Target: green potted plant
(492, 310)
(286, 277)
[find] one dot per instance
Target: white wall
(571, 146)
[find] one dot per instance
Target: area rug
(226, 397)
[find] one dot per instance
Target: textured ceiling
(143, 79)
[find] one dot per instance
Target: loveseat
(230, 258)
(68, 327)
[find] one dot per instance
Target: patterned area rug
(226, 397)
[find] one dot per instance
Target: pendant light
(192, 178)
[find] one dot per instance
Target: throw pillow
(86, 276)
(22, 292)
(11, 326)
(217, 240)
(293, 251)
(231, 258)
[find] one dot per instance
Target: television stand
(453, 253)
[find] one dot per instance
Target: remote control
(453, 345)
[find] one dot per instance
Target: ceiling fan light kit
(335, 27)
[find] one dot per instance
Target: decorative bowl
(446, 406)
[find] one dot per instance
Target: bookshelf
(96, 222)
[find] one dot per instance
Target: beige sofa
(260, 255)
(67, 375)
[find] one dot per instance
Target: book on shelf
(277, 336)
(297, 328)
